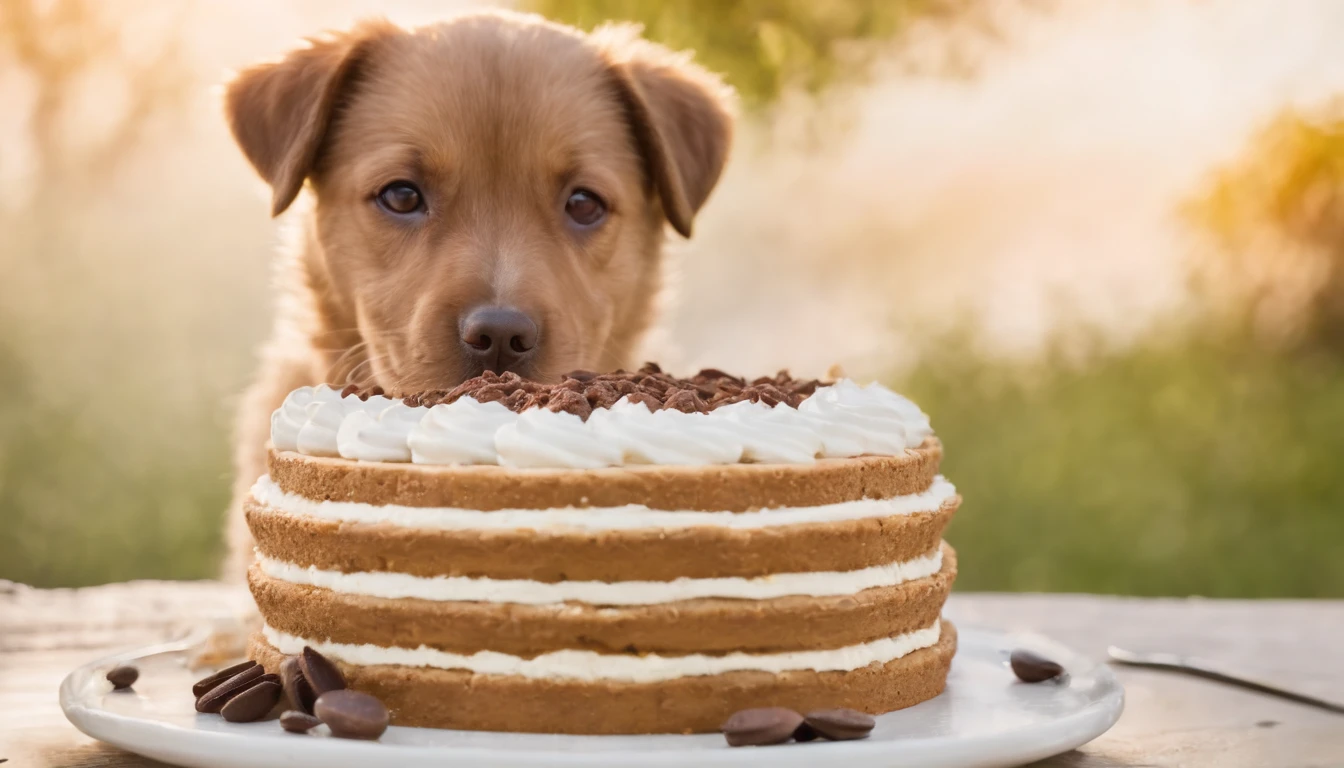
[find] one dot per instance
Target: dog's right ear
(279, 112)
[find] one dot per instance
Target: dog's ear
(279, 111)
(682, 117)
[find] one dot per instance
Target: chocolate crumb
(686, 401)
(570, 401)
(637, 398)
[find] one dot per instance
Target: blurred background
(1101, 244)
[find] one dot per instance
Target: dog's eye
(585, 208)
(401, 197)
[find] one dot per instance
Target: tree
(763, 47)
(1274, 224)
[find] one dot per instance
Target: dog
(488, 193)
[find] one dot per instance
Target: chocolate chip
(214, 700)
(122, 677)
(203, 685)
(350, 389)
(761, 727)
(805, 733)
(298, 722)
(650, 368)
(1032, 667)
(320, 673)
(351, 714)
(298, 692)
(840, 724)
(581, 375)
(252, 704)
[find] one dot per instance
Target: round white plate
(985, 718)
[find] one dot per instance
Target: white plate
(985, 718)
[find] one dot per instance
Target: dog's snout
(499, 338)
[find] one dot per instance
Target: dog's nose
(498, 337)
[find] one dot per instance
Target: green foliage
(86, 498)
(762, 46)
(1198, 464)
(1275, 217)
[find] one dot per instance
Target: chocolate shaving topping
(686, 401)
(580, 391)
(569, 401)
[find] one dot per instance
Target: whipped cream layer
(837, 421)
(588, 665)
(628, 517)
(393, 586)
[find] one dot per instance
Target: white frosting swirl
(854, 420)
(539, 438)
(778, 435)
(837, 421)
(317, 436)
(461, 432)
(290, 417)
(665, 437)
(366, 437)
(917, 427)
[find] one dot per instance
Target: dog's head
(491, 191)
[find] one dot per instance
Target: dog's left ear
(280, 111)
(682, 117)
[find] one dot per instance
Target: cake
(624, 553)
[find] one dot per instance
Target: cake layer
(461, 699)
(691, 626)
(732, 487)
(653, 554)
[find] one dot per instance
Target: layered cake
(616, 553)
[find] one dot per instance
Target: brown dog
(488, 193)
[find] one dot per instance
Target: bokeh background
(1101, 243)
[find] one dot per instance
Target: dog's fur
(497, 118)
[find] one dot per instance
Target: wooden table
(1169, 720)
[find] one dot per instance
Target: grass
(1192, 464)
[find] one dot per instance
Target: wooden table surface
(1169, 720)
